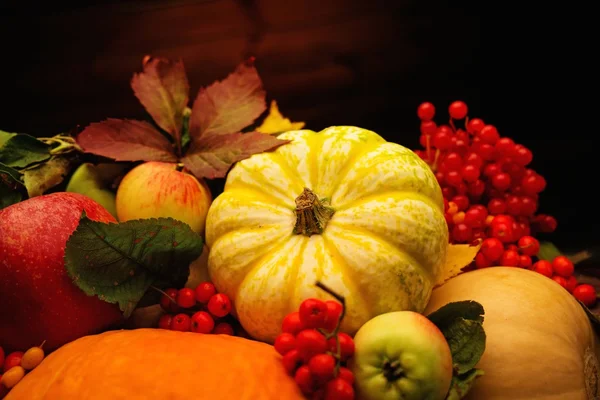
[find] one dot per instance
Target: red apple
(38, 300)
(157, 189)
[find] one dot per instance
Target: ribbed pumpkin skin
(539, 339)
(383, 248)
(158, 364)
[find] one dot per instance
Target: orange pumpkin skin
(159, 364)
(540, 344)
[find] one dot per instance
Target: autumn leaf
(45, 176)
(228, 106)
(458, 256)
(163, 90)
(126, 140)
(212, 156)
(276, 123)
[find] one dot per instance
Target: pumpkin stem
(392, 371)
(312, 214)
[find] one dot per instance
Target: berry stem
(580, 256)
(451, 123)
(334, 334)
(163, 293)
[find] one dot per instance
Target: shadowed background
(327, 62)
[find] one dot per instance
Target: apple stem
(392, 371)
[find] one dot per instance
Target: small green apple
(157, 189)
(401, 355)
(87, 180)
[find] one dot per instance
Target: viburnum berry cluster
(200, 310)
(491, 194)
(16, 365)
(314, 350)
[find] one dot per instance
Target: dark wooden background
(360, 62)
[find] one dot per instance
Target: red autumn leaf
(212, 156)
(228, 106)
(163, 90)
(126, 140)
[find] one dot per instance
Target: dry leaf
(49, 174)
(458, 257)
(275, 123)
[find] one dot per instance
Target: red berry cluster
(200, 310)
(490, 192)
(561, 269)
(315, 352)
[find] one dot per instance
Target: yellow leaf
(276, 123)
(458, 257)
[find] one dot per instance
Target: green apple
(401, 355)
(88, 181)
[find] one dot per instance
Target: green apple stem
(392, 371)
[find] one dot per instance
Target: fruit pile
(200, 310)
(15, 365)
(315, 352)
(491, 193)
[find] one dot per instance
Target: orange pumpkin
(159, 364)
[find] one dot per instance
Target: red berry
(528, 245)
(505, 146)
(501, 181)
(181, 323)
(339, 389)
(291, 361)
(313, 313)
(291, 323)
(442, 140)
(322, 367)
(510, 258)
(533, 184)
(219, 305)
(560, 280)
(476, 188)
(164, 322)
(428, 128)
(571, 283)
(475, 217)
(346, 346)
(310, 342)
(470, 173)
(426, 111)
(489, 134)
(334, 310)
(453, 161)
(481, 261)
(492, 249)
(202, 322)
(528, 206)
(204, 291)
(547, 223)
(525, 261)
(458, 110)
(522, 155)
(453, 178)
(12, 360)
(462, 233)
(475, 125)
(284, 342)
(168, 301)
(562, 266)
(497, 206)
(223, 328)
(543, 267)
(502, 231)
(305, 380)
(586, 294)
(186, 298)
(346, 374)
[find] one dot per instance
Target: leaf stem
(66, 144)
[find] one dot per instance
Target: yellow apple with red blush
(158, 189)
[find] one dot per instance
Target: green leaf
(462, 384)
(466, 339)
(462, 325)
(4, 136)
(120, 262)
(548, 251)
(22, 150)
(45, 176)
(11, 187)
(468, 309)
